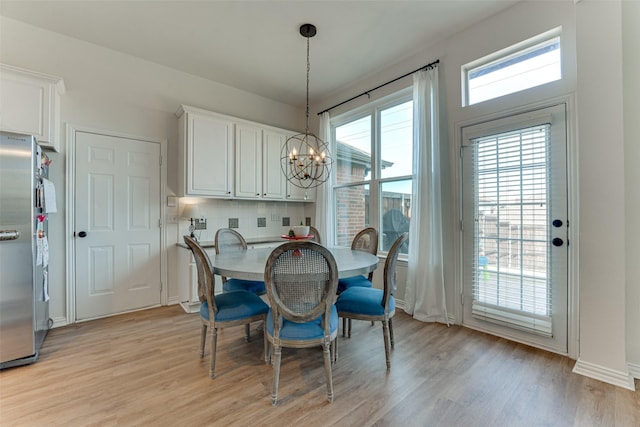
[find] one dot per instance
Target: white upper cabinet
(30, 104)
(223, 156)
(205, 160)
(273, 179)
(297, 194)
(258, 174)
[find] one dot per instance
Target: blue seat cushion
(254, 286)
(234, 306)
(366, 301)
(349, 282)
(303, 331)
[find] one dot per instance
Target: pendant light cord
(308, 69)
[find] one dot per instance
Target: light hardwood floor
(143, 369)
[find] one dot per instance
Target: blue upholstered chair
(301, 279)
(361, 303)
(367, 241)
(228, 240)
(223, 310)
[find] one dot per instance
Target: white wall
(113, 92)
(631, 90)
(602, 277)
(602, 192)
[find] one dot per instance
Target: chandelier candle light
(306, 160)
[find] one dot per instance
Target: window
(523, 66)
(374, 148)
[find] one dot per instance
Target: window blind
(511, 280)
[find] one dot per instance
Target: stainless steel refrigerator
(24, 300)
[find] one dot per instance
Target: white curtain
(324, 196)
(424, 295)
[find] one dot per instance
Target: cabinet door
(248, 161)
(209, 156)
(31, 104)
(297, 194)
(273, 179)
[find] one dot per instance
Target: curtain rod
(367, 92)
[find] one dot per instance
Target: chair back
(228, 239)
(301, 278)
(390, 268)
(316, 234)
(366, 240)
(206, 279)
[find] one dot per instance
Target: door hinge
(160, 160)
(461, 225)
(160, 222)
(461, 152)
(461, 299)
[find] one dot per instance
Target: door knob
(82, 234)
(557, 223)
(557, 241)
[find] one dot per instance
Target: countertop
(250, 241)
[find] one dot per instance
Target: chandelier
(306, 160)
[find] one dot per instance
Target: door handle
(557, 241)
(9, 234)
(82, 234)
(557, 223)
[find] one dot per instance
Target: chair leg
(276, 373)
(214, 346)
(247, 332)
(203, 340)
(391, 331)
(344, 326)
(327, 371)
(385, 333)
(349, 328)
(265, 344)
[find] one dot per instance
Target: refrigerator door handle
(9, 235)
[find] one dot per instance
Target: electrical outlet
(172, 219)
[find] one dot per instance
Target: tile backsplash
(250, 218)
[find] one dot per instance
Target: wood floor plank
(144, 368)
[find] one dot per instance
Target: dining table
(250, 264)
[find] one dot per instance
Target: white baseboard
(58, 322)
(173, 301)
(607, 375)
(634, 369)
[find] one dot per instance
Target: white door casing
(117, 204)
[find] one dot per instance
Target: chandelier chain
(308, 70)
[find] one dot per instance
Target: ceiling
(256, 45)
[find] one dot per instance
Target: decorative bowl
(301, 230)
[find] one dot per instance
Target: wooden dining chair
(361, 303)
(315, 233)
(227, 240)
(365, 240)
(301, 279)
(223, 310)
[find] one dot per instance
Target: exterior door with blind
(515, 227)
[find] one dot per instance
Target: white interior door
(117, 224)
(515, 227)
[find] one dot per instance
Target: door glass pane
(352, 212)
(396, 212)
(396, 135)
(353, 146)
(511, 228)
